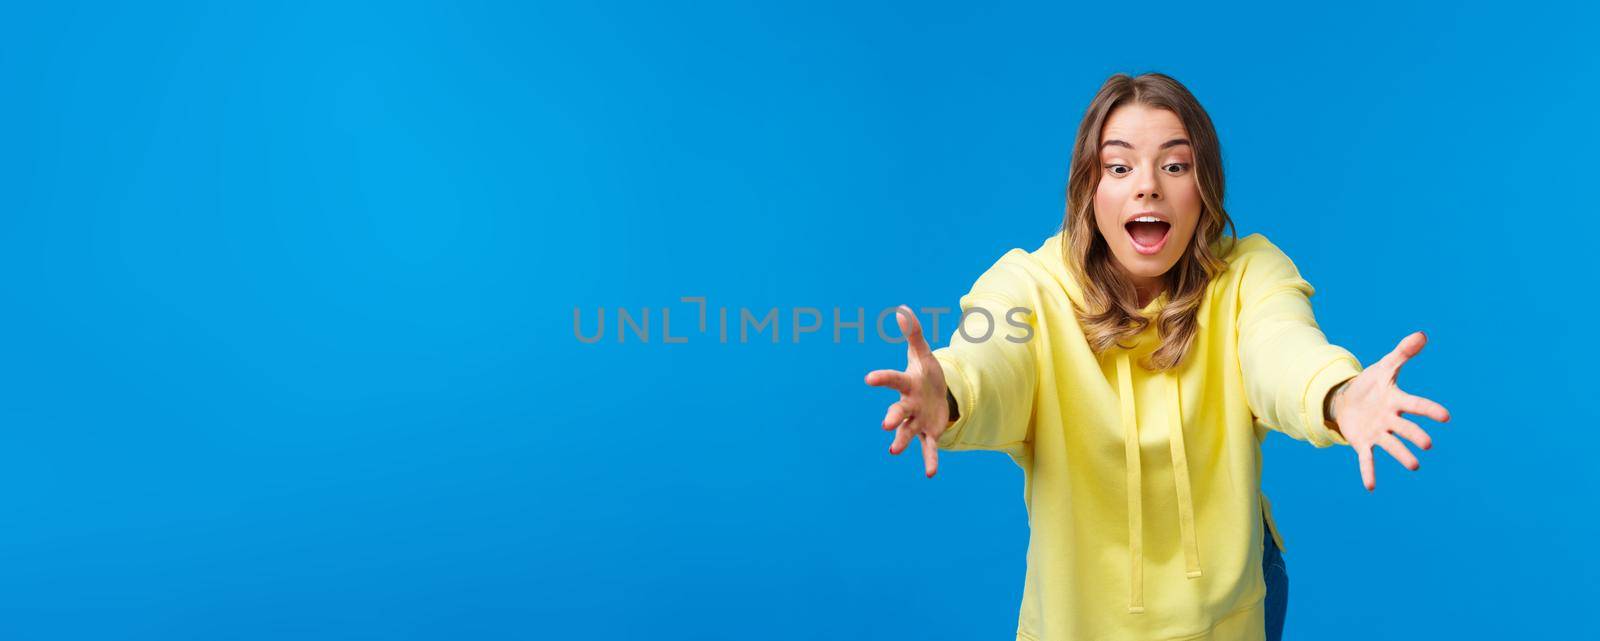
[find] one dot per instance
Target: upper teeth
(1147, 219)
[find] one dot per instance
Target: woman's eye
(1113, 169)
(1177, 167)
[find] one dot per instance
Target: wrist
(1331, 404)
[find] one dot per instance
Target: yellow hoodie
(1143, 489)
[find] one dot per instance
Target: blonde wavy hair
(1113, 312)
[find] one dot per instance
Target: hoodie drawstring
(1180, 473)
(1130, 441)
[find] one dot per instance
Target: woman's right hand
(922, 409)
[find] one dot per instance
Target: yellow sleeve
(991, 374)
(1287, 362)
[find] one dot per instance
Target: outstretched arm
(1302, 385)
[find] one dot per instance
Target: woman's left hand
(1367, 411)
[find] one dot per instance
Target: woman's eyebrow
(1170, 143)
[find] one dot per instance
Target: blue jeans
(1277, 576)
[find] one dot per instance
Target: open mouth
(1148, 237)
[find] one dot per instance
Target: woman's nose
(1147, 188)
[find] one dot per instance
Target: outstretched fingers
(930, 454)
(916, 345)
(1368, 476)
(1398, 450)
(896, 414)
(902, 436)
(890, 378)
(1423, 407)
(902, 416)
(1411, 432)
(1409, 346)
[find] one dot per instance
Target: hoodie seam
(1219, 621)
(1311, 409)
(1210, 630)
(963, 400)
(1299, 284)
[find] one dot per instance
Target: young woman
(1155, 354)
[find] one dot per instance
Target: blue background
(288, 351)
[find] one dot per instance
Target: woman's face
(1146, 170)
